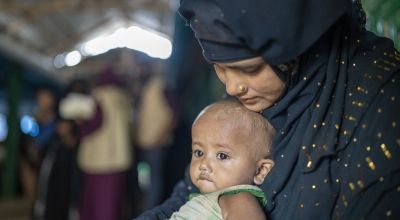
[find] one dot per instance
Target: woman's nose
(235, 87)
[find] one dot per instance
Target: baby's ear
(263, 168)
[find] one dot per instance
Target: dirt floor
(14, 209)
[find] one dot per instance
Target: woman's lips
(248, 101)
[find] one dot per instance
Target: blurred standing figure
(34, 149)
(56, 196)
(104, 153)
(154, 134)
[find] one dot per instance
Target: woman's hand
(241, 206)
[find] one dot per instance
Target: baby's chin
(206, 187)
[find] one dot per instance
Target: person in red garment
(104, 153)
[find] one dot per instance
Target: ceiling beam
(44, 7)
(27, 56)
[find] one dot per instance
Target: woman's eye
(252, 69)
(198, 153)
(222, 156)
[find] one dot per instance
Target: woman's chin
(256, 107)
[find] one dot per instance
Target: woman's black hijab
(338, 122)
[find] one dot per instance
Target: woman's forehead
(245, 62)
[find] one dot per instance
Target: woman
(330, 89)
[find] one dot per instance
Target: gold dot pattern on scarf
(358, 104)
(385, 65)
(350, 118)
(370, 163)
(352, 186)
(345, 202)
(386, 151)
(360, 184)
(360, 89)
(355, 131)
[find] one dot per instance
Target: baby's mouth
(204, 177)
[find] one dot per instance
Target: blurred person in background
(104, 155)
(33, 149)
(56, 198)
(155, 124)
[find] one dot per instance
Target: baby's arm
(242, 205)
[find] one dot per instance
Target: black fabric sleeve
(179, 197)
(172, 204)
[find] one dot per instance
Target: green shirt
(206, 207)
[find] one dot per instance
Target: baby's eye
(222, 156)
(198, 153)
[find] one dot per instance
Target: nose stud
(242, 88)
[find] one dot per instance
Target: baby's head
(231, 145)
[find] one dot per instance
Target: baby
(231, 148)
